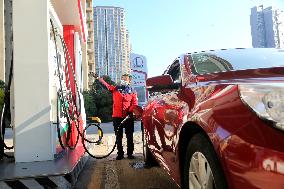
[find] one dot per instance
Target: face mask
(122, 82)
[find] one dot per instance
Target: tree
(98, 100)
(2, 88)
(98, 86)
(90, 105)
(2, 84)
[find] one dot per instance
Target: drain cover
(138, 165)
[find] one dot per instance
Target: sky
(161, 30)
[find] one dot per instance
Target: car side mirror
(161, 82)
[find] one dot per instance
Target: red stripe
(82, 21)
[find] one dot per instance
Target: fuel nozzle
(137, 111)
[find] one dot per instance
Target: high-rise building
(127, 67)
(90, 43)
(267, 27)
(111, 44)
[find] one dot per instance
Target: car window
(204, 63)
(174, 71)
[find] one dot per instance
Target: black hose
(62, 99)
(84, 139)
(6, 114)
(76, 113)
(66, 52)
(73, 99)
(100, 131)
(72, 102)
(57, 124)
(113, 148)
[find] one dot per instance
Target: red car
(215, 119)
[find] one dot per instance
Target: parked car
(215, 119)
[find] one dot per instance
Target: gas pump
(44, 95)
(45, 101)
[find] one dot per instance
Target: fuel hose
(6, 115)
(71, 105)
(113, 148)
(63, 97)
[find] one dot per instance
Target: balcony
(90, 61)
(89, 9)
(90, 84)
(90, 41)
(90, 50)
(90, 32)
(90, 20)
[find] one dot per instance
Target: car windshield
(236, 59)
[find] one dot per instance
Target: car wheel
(147, 155)
(202, 168)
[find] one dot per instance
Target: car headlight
(266, 100)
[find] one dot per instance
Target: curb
(66, 181)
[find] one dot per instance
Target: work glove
(136, 111)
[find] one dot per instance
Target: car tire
(200, 154)
(149, 159)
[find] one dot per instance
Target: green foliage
(2, 94)
(1, 99)
(97, 86)
(2, 84)
(90, 105)
(98, 100)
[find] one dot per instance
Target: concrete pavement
(111, 174)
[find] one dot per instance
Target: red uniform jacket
(123, 98)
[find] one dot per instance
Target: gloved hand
(130, 115)
(136, 111)
(101, 79)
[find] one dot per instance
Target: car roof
(245, 58)
(231, 50)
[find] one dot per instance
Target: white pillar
(30, 93)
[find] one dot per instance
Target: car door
(168, 115)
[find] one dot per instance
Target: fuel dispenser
(33, 100)
(45, 101)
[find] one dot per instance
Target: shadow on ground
(111, 174)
